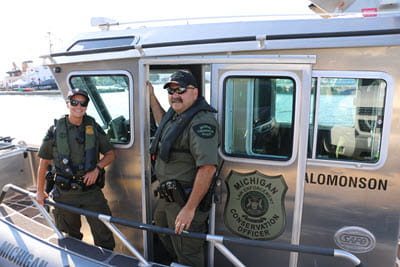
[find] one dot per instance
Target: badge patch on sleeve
(204, 130)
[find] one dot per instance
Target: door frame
(289, 63)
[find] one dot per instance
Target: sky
(30, 29)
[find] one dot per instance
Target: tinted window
(101, 43)
(109, 104)
(349, 119)
(259, 115)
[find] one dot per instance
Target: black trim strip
(234, 39)
(100, 39)
(93, 51)
(204, 41)
(332, 34)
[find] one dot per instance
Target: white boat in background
(29, 78)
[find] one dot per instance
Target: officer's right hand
(40, 196)
(184, 219)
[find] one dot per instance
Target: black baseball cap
(182, 78)
(77, 91)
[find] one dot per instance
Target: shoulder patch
(204, 130)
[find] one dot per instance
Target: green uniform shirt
(48, 148)
(195, 147)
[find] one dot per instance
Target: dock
(34, 92)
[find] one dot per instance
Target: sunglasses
(74, 103)
(179, 90)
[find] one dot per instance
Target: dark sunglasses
(74, 103)
(179, 90)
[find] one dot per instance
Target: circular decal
(254, 204)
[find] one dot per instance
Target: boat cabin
(309, 121)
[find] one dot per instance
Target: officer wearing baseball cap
(181, 78)
(73, 145)
(78, 91)
(185, 152)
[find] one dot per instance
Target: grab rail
(32, 196)
(218, 241)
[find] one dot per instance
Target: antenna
(50, 43)
(103, 23)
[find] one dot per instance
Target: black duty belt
(74, 183)
(173, 191)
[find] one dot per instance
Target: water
(28, 117)
(334, 109)
(337, 110)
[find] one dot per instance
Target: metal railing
(218, 241)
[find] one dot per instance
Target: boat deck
(21, 215)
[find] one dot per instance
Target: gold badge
(89, 129)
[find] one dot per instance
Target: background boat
(29, 78)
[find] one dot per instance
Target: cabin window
(101, 43)
(348, 119)
(109, 96)
(259, 114)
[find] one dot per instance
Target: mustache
(176, 100)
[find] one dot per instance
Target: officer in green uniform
(185, 151)
(73, 144)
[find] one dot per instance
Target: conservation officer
(74, 144)
(185, 151)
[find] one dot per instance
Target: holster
(62, 182)
(101, 179)
(172, 191)
(205, 203)
(49, 180)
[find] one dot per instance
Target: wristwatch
(100, 169)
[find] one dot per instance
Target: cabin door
(263, 111)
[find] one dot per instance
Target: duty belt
(74, 183)
(172, 191)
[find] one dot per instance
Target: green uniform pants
(186, 251)
(70, 223)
